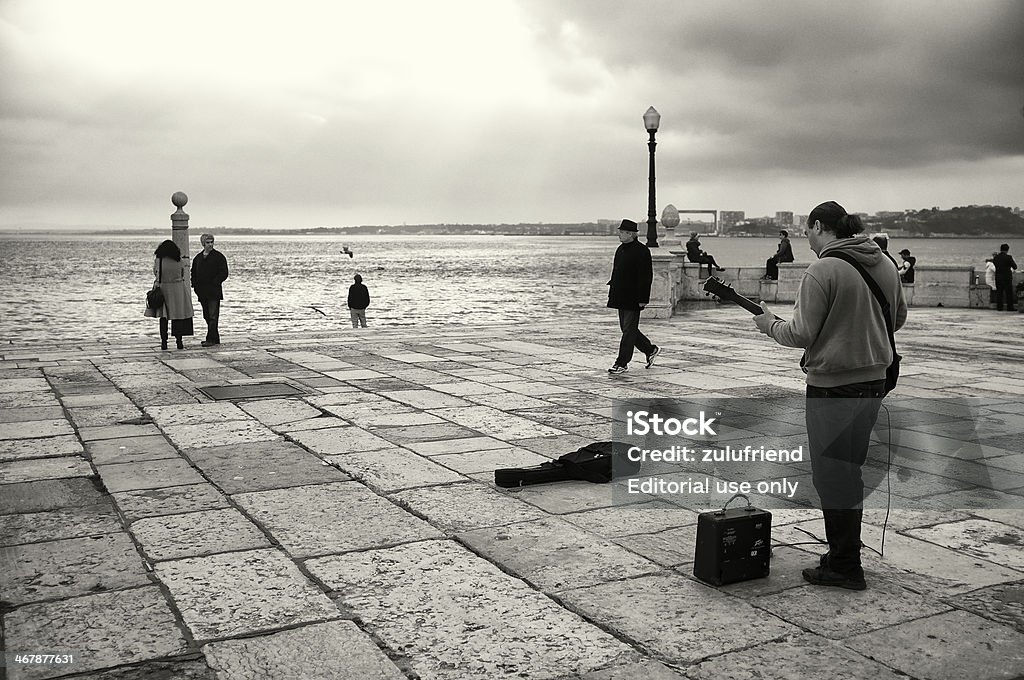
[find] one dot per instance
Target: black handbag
(155, 295)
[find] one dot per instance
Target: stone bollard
(179, 224)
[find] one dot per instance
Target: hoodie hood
(862, 248)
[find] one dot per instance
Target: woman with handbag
(171, 277)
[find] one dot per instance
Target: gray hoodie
(837, 319)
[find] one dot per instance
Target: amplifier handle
(739, 495)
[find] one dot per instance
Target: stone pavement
(352, 529)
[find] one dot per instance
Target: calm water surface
(78, 287)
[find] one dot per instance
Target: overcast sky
(337, 113)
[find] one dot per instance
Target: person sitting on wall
(784, 253)
(695, 254)
(907, 268)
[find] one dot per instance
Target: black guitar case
(598, 462)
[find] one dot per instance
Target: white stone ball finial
(179, 199)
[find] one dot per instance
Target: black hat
(904, 252)
(628, 225)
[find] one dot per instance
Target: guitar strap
(876, 290)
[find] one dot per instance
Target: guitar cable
(888, 499)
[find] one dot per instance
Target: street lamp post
(651, 120)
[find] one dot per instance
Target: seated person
(907, 268)
(784, 253)
(695, 254)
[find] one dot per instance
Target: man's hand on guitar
(765, 320)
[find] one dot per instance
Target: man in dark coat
(358, 301)
(784, 253)
(209, 270)
(629, 292)
(1005, 267)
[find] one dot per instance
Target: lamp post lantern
(651, 120)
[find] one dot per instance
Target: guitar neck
(746, 303)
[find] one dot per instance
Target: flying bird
(346, 251)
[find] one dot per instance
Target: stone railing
(678, 282)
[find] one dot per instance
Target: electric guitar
(723, 291)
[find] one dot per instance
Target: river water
(76, 287)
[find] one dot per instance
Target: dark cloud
(808, 85)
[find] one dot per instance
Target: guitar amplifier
(732, 545)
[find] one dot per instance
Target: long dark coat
(632, 273)
(208, 272)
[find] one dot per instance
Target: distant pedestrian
(882, 239)
(1005, 267)
(169, 274)
(907, 268)
(695, 254)
(630, 292)
(990, 277)
(784, 253)
(358, 301)
(209, 271)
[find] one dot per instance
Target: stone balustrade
(678, 282)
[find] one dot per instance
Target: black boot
(163, 333)
(178, 343)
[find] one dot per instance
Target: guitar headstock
(718, 288)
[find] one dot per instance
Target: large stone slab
(639, 518)
(669, 548)
(1003, 603)
(394, 469)
(194, 414)
(33, 429)
(171, 500)
(50, 447)
(241, 593)
(555, 555)
(148, 474)
(838, 613)
(332, 518)
(219, 434)
(670, 616)
(130, 450)
(574, 496)
(424, 399)
(44, 468)
(101, 630)
(73, 522)
(89, 434)
(93, 416)
(457, 616)
(171, 537)
(111, 398)
(321, 651)
(338, 440)
(950, 646)
(981, 538)
(406, 435)
(23, 414)
(49, 494)
(496, 423)
(462, 507)
(476, 462)
(461, 445)
(261, 466)
(27, 399)
(75, 566)
(272, 412)
(799, 656)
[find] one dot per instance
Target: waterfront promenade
(351, 529)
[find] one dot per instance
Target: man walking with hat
(630, 292)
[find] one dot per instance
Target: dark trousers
(211, 313)
(839, 425)
(1004, 291)
(629, 323)
(771, 268)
